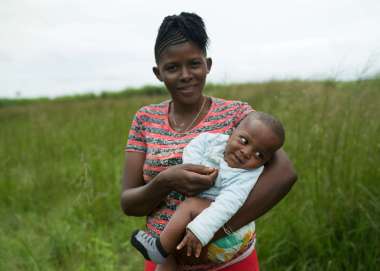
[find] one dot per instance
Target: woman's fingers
(196, 183)
(214, 175)
(204, 181)
(199, 169)
(194, 178)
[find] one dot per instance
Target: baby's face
(251, 145)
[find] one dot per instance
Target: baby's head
(254, 141)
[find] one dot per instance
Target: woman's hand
(189, 179)
(139, 198)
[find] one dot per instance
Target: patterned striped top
(152, 134)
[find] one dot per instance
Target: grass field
(61, 163)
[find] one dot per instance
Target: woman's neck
(183, 117)
(182, 109)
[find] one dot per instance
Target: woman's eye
(171, 68)
(195, 64)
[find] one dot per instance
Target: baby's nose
(246, 153)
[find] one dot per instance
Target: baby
(240, 159)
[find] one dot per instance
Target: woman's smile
(188, 90)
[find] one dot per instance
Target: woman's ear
(156, 72)
(209, 64)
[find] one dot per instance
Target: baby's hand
(192, 243)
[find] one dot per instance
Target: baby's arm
(227, 203)
(194, 151)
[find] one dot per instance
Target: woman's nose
(185, 74)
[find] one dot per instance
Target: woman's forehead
(179, 51)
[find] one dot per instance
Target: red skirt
(251, 263)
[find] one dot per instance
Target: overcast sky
(61, 47)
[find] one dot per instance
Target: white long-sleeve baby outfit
(231, 188)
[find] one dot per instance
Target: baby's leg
(169, 265)
(176, 227)
(157, 249)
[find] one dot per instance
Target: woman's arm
(274, 183)
(139, 198)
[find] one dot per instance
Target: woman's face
(183, 68)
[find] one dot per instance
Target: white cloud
(53, 47)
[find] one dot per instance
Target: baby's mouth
(238, 159)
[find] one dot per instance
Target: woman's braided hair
(176, 29)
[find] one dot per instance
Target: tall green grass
(61, 164)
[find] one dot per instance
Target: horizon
(146, 89)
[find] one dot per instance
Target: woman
(155, 181)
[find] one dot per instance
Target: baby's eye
(243, 140)
(259, 155)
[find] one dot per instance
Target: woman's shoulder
(222, 105)
(228, 103)
(154, 109)
(226, 114)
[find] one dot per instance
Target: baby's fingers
(189, 249)
(182, 243)
(198, 250)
